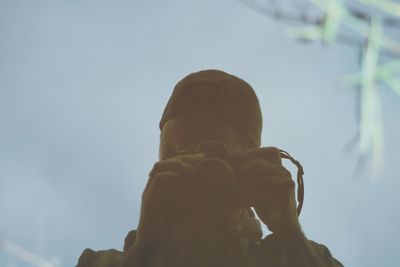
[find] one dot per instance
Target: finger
(191, 158)
(166, 193)
(272, 173)
(154, 205)
(260, 182)
(270, 217)
(172, 165)
(279, 214)
(252, 196)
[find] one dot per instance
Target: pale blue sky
(83, 85)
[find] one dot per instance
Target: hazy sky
(83, 85)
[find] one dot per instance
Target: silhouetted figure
(196, 207)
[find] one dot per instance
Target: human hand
(182, 199)
(263, 183)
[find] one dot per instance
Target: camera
(218, 173)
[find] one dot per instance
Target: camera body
(218, 173)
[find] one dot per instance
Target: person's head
(210, 105)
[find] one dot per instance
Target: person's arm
(273, 191)
(301, 252)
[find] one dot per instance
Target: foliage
(370, 26)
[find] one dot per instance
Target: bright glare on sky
(82, 88)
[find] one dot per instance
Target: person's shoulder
(101, 258)
(269, 251)
(325, 253)
(106, 258)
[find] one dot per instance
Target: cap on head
(221, 94)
